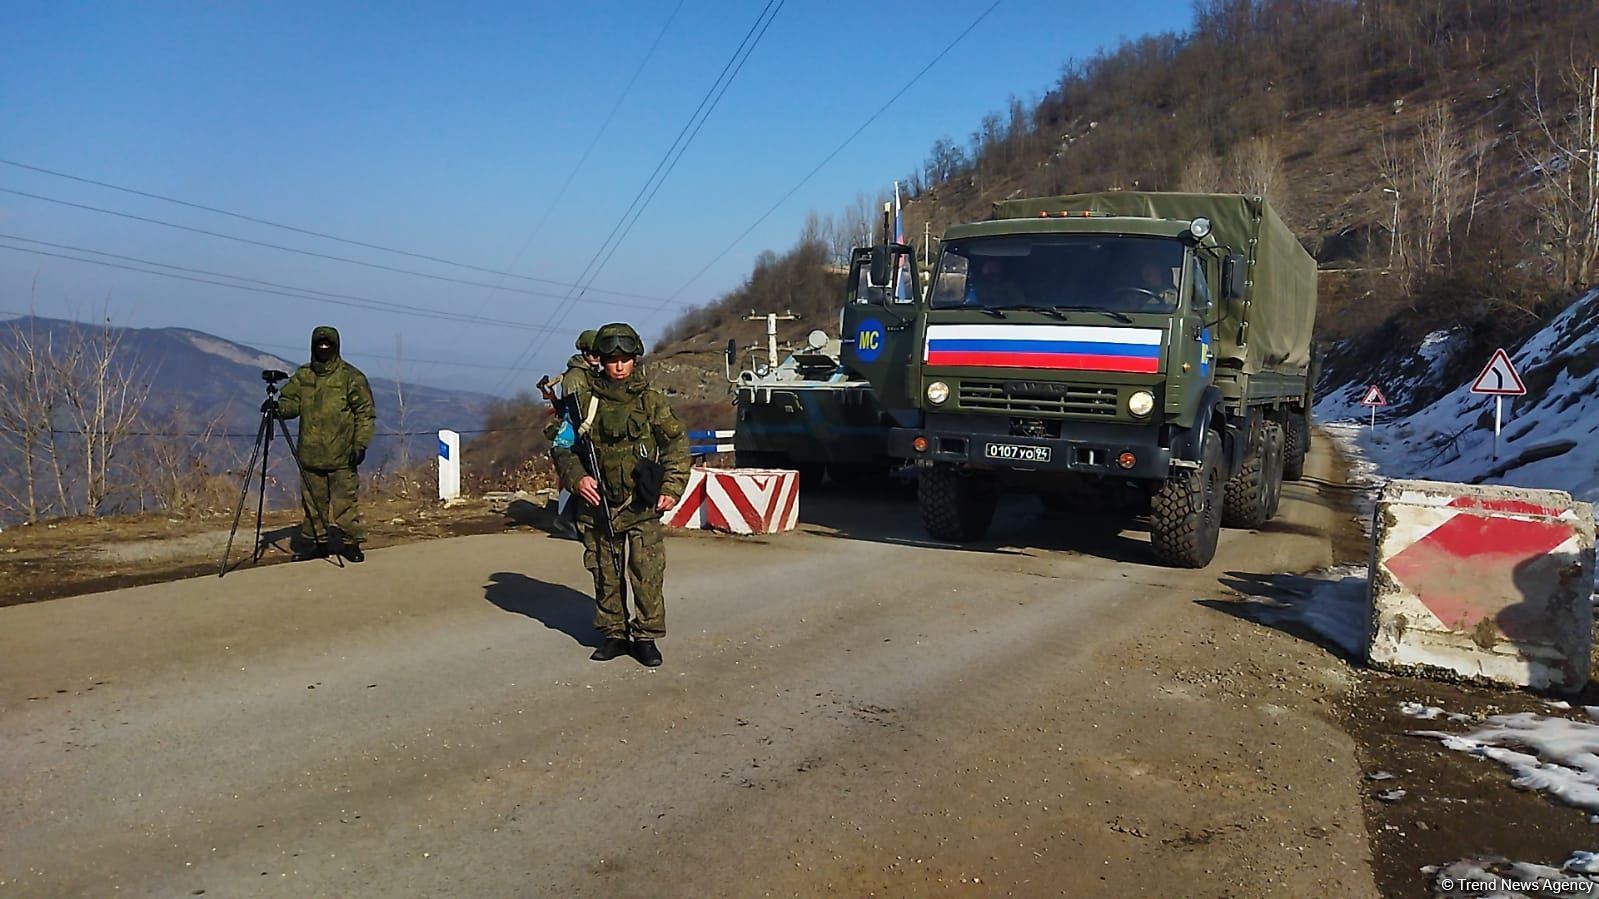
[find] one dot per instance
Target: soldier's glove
(270, 406)
(357, 457)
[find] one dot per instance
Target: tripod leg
(260, 497)
(261, 435)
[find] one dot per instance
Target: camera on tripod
(272, 375)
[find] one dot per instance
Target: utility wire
(293, 228)
(315, 296)
(836, 150)
(725, 85)
(311, 253)
(678, 146)
(594, 141)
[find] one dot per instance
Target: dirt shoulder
(76, 556)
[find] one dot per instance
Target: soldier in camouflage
(642, 449)
(333, 401)
(581, 370)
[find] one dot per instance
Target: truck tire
(955, 506)
(1296, 444)
(1185, 512)
(1245, 499)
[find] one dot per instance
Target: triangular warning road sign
(1499, 378)
(1374, 397)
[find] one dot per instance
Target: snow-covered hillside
(1550, 437)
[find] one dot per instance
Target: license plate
(1012, 452)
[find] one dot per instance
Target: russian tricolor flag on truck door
(1051, 347)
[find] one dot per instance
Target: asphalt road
(850, 708)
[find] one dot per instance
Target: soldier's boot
(308, 550)
(352, 552)
(646, 653)
(610, 649)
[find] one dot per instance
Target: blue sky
(448, 129)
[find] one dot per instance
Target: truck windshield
(1111, 273)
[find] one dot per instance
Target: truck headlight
(937, 393)
(1199, 228)
(1140, 403)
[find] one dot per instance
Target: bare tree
(1255, 167)
(26, 408)
(1566, 164)
(1426, 185)
(1201, 174)
(402, 458)
(103, 388)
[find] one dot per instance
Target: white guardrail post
(449, 465)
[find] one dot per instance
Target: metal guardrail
(705, 443)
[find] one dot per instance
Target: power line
(745, 47)
(311, 253)
(836, 150)
(594, 141)
(293, 228)
(298, 293)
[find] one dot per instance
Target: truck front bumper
(1093, 448)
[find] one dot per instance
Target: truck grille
(1056, 399)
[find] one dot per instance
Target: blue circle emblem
(869, 339)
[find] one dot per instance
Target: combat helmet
(618, 339)
(585, 341)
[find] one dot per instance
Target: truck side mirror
(1234, 269)
(732, 357)
(882, 268)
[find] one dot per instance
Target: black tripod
(262, 452)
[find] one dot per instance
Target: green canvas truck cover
(1281, 300)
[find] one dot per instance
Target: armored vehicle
(810, 413)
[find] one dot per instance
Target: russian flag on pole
(902, 271)
(1052, 347)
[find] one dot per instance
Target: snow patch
(233, 352)
(1548, 440)
(1563, 756)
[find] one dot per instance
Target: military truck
(809, 413)
(1123, 350)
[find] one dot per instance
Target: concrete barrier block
(738, 501)
(1482, 583)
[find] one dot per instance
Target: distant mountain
(199, 383)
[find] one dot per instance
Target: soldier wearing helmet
(581, 370)
(642, 451)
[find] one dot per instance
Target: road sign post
(1499, 380)
(1374, 398)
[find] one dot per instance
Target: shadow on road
(1330, 614)
(1020, 526)
(557, 606)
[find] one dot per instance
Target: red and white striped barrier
(739, 501)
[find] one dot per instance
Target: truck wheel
(1185, 513)
(1276, 463)
(955, 505)
(1245, 498)
(1296, 444)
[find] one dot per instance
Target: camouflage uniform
(577, 380)
(333, 401)
(633, 421)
